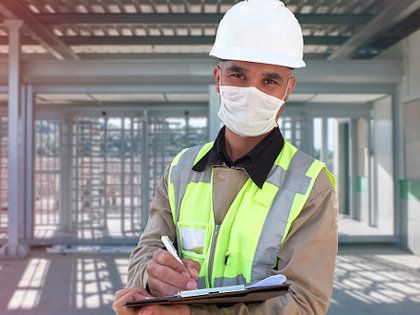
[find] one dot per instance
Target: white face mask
(247, 111)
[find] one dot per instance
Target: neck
(237, 146)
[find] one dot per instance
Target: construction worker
(250, 204)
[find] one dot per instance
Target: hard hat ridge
(262, 31)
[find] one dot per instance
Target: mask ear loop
(287, 88)
(220, 85)
(220, 76)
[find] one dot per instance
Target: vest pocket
(193, 237)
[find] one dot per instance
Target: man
(250, 204)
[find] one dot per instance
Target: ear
(279, 113)
(216, 73)
(292, 83)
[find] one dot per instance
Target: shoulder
(324, 179)
(294, 160)
(322, 185)
(189, 156)
(199, 149)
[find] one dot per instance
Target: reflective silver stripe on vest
(223, 282)
(182, 174)
(201, 283)
(291, 182)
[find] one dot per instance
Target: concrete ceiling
(157, 50)
(86, 29)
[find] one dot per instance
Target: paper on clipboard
(266, 289)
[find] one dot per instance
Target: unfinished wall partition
(96, 171)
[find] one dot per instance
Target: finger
(122, 292)
(167, 281)
(139, 291)
(193, 267)
(118, 305)
(160, 289)
(162, 268)
(163, 257)
(119, 309)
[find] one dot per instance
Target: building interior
(98, 96)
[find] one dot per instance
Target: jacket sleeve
(160, 223)
(306, 258)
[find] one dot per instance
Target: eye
(269, 81)
(238, 75)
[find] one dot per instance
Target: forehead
(255, 68)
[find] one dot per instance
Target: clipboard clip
(209, 291)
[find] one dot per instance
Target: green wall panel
(410, 190)
(362, 184)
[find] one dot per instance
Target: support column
(337, 157)
(28, 160)
(293, 128)
(354, 161)
(145, 166)
(342, 176)
(66, 136)
(214, 123)
(14, 249)
(372, 178)
(399, 168)
(324, 143)
(309, 135)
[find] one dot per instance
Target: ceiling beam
(14, 10)
(113, 87)
(142, 56)
(177, 18)
(333, 109)
(151, 56)
(351, 71)
(394, 13)
(334, 19)
(163, 40)
(197, 71)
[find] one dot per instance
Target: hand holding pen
(168, 244)
(167, 274)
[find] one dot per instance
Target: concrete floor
(368, 280)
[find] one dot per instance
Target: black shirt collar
(257, 162)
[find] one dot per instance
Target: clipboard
(265, 289)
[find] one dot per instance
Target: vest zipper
(211, 258)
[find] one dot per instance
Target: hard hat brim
(258, 56)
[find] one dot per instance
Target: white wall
(409, 89)
(408, 50)
(411, 122)
(383, 164)
(410, 100)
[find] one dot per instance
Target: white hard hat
(262, 31)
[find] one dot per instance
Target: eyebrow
(273, 76)
(237, 69)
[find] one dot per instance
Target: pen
(168, 244)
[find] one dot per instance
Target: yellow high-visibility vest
(244, 247)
